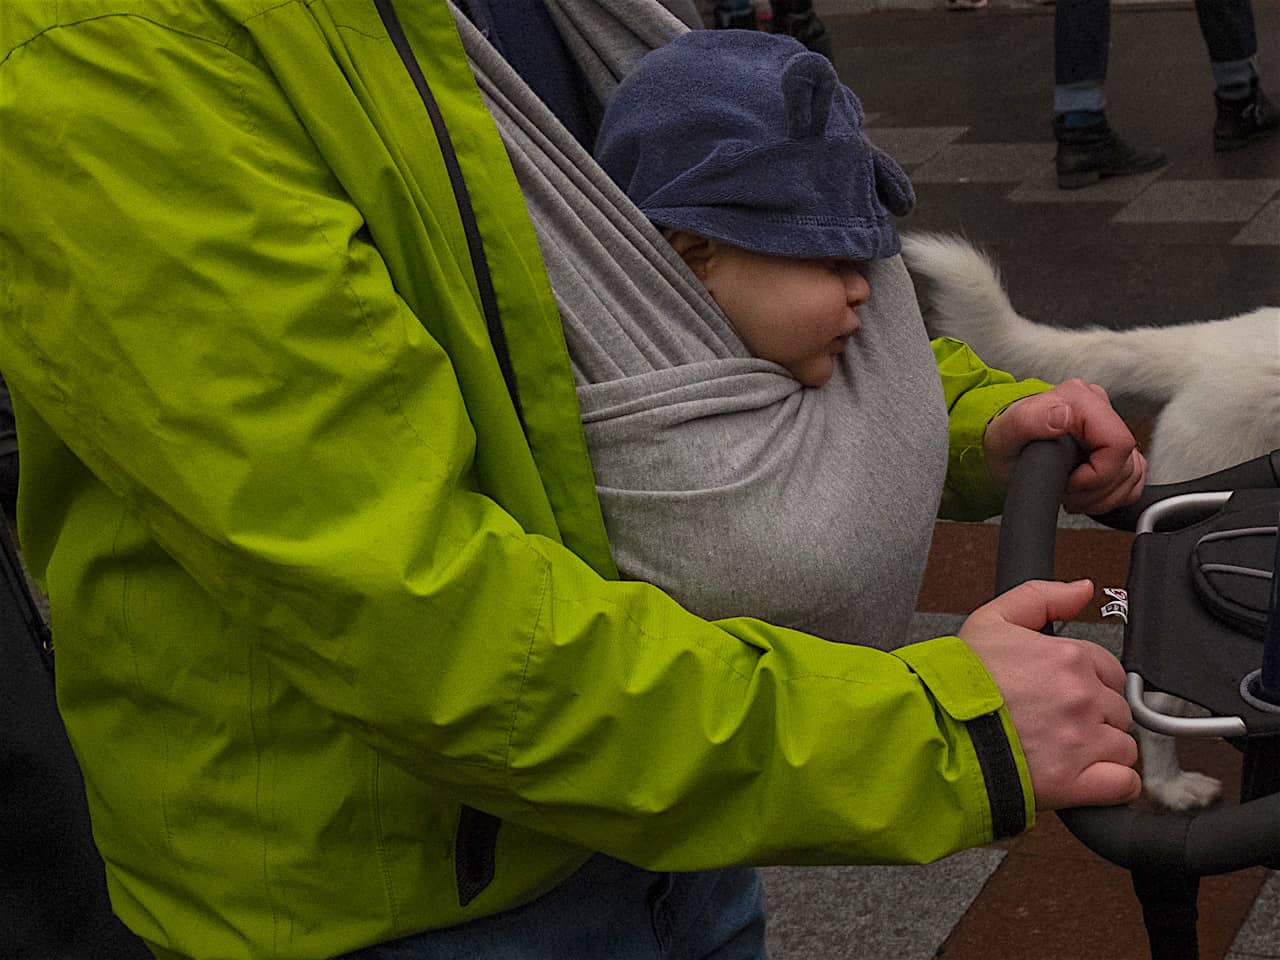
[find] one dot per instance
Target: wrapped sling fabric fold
(723, 480)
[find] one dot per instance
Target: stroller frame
(1166, 854)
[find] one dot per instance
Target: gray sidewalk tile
(1262, 230)
(913, 145)
(872, 913)
(926, 626)
(1208, 201)
(985, 163)
(1259, 938)
(1043, 188)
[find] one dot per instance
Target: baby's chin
(816, 372)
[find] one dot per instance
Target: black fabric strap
(1000, 772)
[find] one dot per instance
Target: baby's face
(800, 314)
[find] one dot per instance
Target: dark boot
(796, 18)
(1245, 120)
(1087, 154)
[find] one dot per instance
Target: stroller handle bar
(1175, 726)
(1214, 841)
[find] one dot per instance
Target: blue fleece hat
(750, 138)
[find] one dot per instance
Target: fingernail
(1058, 417)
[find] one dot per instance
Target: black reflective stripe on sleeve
(475, 852)
(1000, 772)
(475, 245)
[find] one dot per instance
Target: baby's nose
(857, 290)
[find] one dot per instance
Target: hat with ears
(750, 138)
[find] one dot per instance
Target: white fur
(1213, 386)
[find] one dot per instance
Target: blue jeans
(608, 910)
(1082, 34)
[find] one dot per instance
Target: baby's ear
(694, 249)
(892, 184)
(808, 86)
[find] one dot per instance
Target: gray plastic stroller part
(1185, 508)
(1175, 726)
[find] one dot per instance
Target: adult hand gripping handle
(1214, 841)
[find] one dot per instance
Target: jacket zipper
(476, 840)
(475, 245)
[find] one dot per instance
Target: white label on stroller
(1119, 605)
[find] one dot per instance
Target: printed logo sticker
(1118, 605)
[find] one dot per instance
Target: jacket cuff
(965, 691)
(970, 493)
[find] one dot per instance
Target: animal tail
(962, 297)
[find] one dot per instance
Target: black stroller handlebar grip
(1233, 838)
(1217, 841)
(1212, 842)
(1028, 529)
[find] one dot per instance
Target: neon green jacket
(321, 591)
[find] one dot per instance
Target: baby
(723, 476)
(748, 153)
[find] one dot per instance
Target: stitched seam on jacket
(265, 824)
(126, 628)
(544, 593)
(384, 859)
(223, 44)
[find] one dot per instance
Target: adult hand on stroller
(1116, 470)
(1064, 696)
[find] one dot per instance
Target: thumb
(1037, 602)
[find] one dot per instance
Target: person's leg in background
(1244, 113)
(1088, 149)
(734, 15)
(797, 18)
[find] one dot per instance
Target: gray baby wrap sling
(722, 479)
